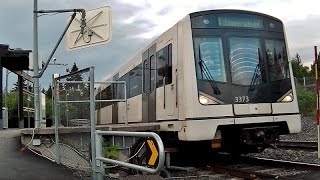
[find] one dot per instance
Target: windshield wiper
(257, 73)
(254, 78)
(205, 71)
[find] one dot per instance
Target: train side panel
(134, 111)
(106, 115)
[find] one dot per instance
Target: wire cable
(33, 132)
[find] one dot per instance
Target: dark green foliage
(300, 71)
(49, 92)
(307, 102)
(48, 108)
(75, 77)
(109, 151)
(12, 104)
(13, 99)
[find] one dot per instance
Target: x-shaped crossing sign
(97, 30)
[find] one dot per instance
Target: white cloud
(136, 22)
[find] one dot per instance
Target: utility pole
(36, 66)
(36, 73)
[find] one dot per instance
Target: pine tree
(75, 77)
(49, 92)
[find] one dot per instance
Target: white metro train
(220, 76)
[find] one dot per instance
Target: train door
(166, 97)
(170, 89)
(149, 85)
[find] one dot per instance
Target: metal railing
(71, 101)
(97, 159)
(116, 100)
(100, 159)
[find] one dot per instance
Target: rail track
(255, 168)
(305, 145)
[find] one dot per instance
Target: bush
(307, 102)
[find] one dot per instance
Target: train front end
(245, 90)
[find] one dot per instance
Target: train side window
(164, 66)
(146, 77)
(98, 97)
(120, 92)
(169, 72)
(152, 73)
(135, 81)
(107, 95)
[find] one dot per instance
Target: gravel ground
(308, 133)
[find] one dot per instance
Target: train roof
(206, 12)
(135, 60)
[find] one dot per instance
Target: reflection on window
(277, 60)
(211, 54)
(164, 66)
(244, 60)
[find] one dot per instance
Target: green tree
(12, 99)
(312, 67)
(49, 112)
(74, 77)
(15, 85)
(300, 71)
(49, 92)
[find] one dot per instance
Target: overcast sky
(137, 22)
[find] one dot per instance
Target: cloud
(303, 36)
(136, 23)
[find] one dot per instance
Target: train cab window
(211, 65)
(277, 60)
(164, 66)
(244, 60)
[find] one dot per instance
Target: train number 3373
(241, 99)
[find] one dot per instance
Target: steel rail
(312, 145)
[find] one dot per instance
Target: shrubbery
(307, 102)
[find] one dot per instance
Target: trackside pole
(36, 66)
(317, 95)
(95, 172)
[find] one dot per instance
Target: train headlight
(205, 100)
(288, 98)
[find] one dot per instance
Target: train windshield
(233, 61)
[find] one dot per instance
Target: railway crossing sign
(154, 152)
(97, 30)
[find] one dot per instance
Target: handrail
(153, 135)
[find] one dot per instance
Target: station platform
(133, 127)
(75, 142)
